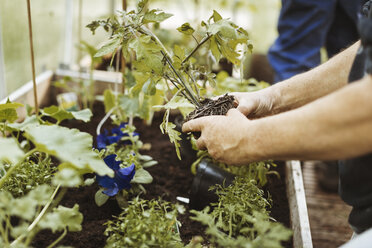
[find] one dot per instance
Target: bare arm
(300, 89)
(335, 126)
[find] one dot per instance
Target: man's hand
(256, 104)
(225, 137)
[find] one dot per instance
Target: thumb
(246, 107)
(235, 113)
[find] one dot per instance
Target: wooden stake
(32, 57)
(123, 62)
(124, 4)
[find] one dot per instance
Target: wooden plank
(297, 206)
(25, 95)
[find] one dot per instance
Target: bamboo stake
(124, 6)
(32, 57)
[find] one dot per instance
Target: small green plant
(31, 186)
(157, 68)
(32, 217)
(125, 145)
(145, 224)
(241, 218)
(35, 170)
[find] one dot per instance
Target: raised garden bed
(291, 210)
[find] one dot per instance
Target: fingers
(245, 108)
(195, 125)
(234, 113)
(200, 144)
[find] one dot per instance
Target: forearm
(336, 126)
(308, 86)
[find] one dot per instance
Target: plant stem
(43, 211)
(59, 239)
(104, 119)
(205, 39)
(148, 32)
(4, 234)
(188, 91)
(178, 88)
(13, 168)
(36, 221)
(32, 57)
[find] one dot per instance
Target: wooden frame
(297, 206)
(103, 80)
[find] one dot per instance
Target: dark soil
(172, 178)
(213, 107)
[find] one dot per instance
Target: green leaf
(149, 164)
(142, 176)
(224, 28)
(149, 88)
(186, 29)
(19, 230)
(174, 135)
(67, 177)
(61, 114)
(109, 100)
(141, 4)
(215, 48)
(109, 47)
(10, 105)
(57, 113)
(5, 201)
(179, 52)
(176, 102)
(130, 80)
(10, 151)
(129, 105)
(41, 194)
(9, 115)
(216, 16)
(24, 207)
(69, 145)
(155, 16)
(29, 121)
(100, 198)
(62, 218)
(83, 115)
(148, 54)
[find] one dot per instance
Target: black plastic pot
(186, 147)
(207, 175)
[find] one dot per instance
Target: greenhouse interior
(159, 123)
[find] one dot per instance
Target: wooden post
(32, 57)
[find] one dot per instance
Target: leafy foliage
(126, 145)
(240, 218)
(28, 210)
(145, 224)
(10, 151)
(34, 171)
(61, 114)
(8, 111)
(72, 147)
(27, 173)
(154, 65)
